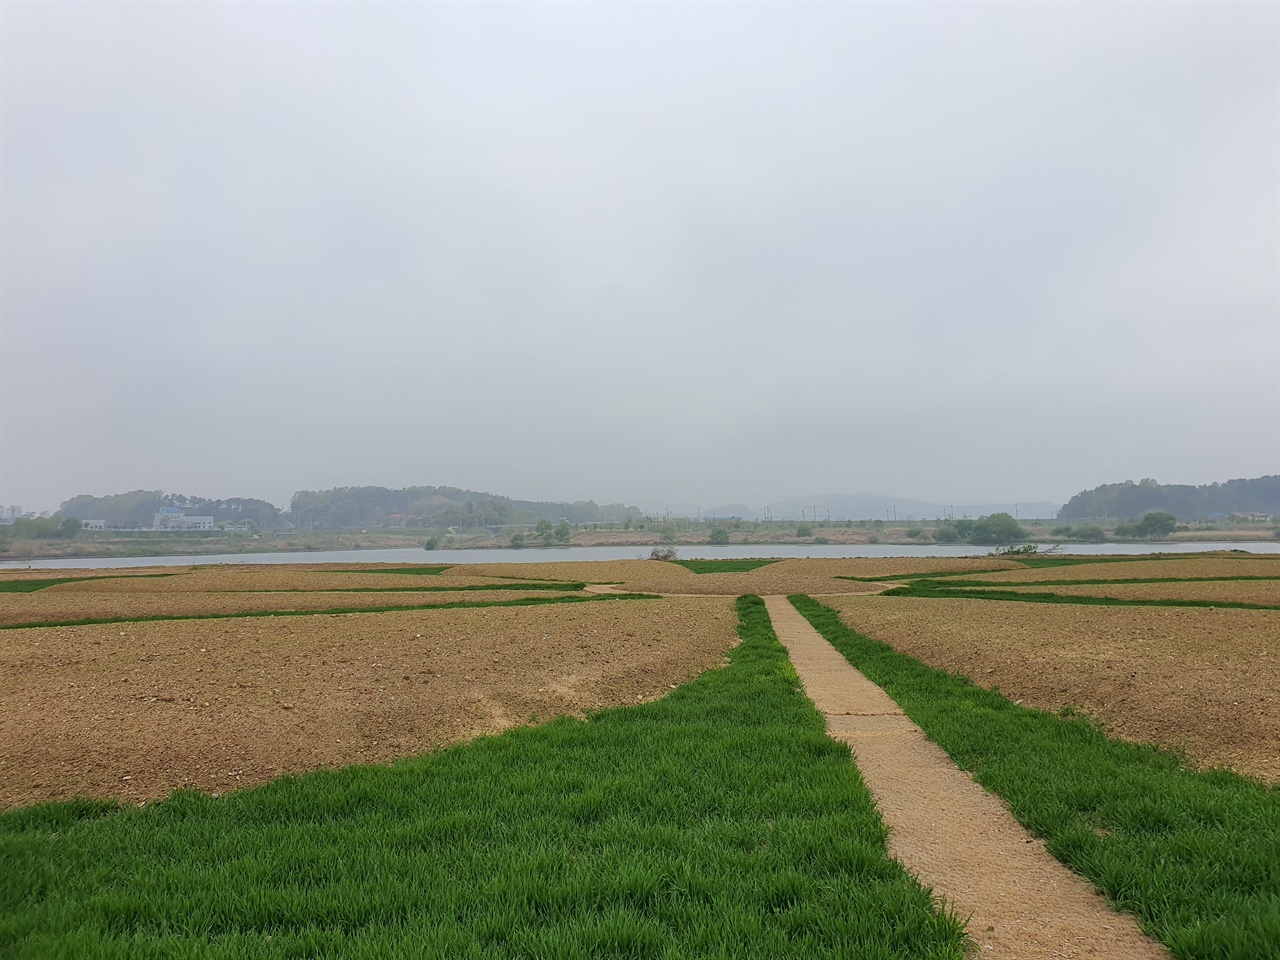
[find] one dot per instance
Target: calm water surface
(687, 552)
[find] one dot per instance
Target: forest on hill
(364, 507)
(1130, 500)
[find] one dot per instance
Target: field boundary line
(950, 832)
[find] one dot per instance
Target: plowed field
(133, 711)
(1205, 681)
(1221, 591)
(50, 606)
(1152, 569)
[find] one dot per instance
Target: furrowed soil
(810, 576)
(1221, 591)
(134, 711)
(1212, 566)
(1194, 679)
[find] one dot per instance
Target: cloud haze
(693, 252)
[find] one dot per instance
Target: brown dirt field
(134, 711)
(1192, 567)
(265, 577)
(1204, 681)
(814, 576)
(46, 606)
(1221, 591)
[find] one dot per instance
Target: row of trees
(440, 507)
(1260, 495)
(137, 509)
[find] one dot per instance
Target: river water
(686, 552)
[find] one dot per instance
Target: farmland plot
(133, 711)
(1201, 680)
(1210, 591)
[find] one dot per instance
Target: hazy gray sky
(639, 252)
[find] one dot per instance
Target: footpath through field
(954, 835)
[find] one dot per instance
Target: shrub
(804, 530)
(946, 534)
(1092, 534)
(997, 528)
(719, 535)
(562, 533)
(821, 539)
(915, 532)
(663, 553)
(430, 543)
(517, 541)
(1157, 524)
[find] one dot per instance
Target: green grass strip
(723, 566)
(935, 590)
(333, 611)
(31, 586)
(717, 822)
(1195, 855)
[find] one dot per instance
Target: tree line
(1260, 495)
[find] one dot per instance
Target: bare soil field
(1204, 681)
(271, 577)
(134, 711)
(814, 576)
(1251, 566)
(45, 606)
(1220, 591)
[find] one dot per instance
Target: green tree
(1157, 524)
(562, 532)
(544, 530)
(997, 528)
(804, 530)
(517, 541)
(69, 527)
(946, 534)
(719, 535)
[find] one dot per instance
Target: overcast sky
(639, 252)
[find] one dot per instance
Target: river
(686, 552)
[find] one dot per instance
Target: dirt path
(949, 831)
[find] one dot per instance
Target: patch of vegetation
(333, 611)
(724, 566)
(667, 554)
(804, 530)
(719, 535)
(1193, 854)
(719, 821)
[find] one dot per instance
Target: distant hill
(347, 507)
(1130, 500)
(139, 507)
(440, 507)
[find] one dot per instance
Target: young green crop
(1196, 856)
(720, 821)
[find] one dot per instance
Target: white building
(172, 518)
